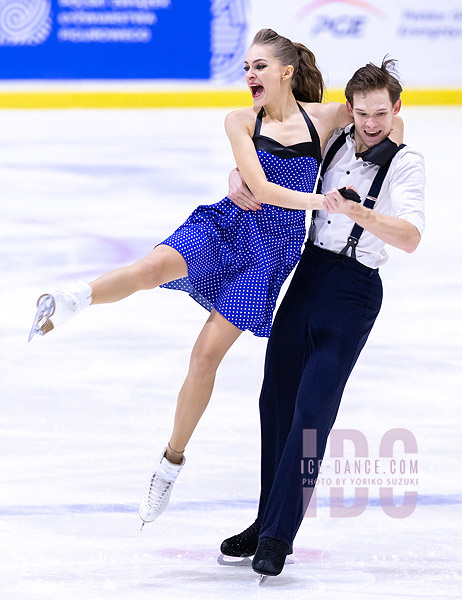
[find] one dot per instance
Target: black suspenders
(328, 158)
(371, 197)
(369, 202)
(325, 163)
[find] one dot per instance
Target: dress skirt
(238, 260)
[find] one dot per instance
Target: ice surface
(87, 408)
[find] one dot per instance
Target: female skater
(230, 260)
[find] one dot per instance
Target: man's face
(372, 114)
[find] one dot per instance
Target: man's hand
(240, 194)
(392, 230)
(334, 202)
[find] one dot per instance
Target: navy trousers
(319, 330)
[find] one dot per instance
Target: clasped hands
(241, 196)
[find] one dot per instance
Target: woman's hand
(334, 202)
(240, 194)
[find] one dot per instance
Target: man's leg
(343, 311)
(284, 363)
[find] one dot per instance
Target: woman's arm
(396, 134)
(239, 127)
(339, 115)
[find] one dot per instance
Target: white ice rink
(87, 408)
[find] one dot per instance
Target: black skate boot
(243, 544)
(270, 556)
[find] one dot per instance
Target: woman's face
(263, 74)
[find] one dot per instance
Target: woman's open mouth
(257, 90)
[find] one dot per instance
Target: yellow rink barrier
(183, 98)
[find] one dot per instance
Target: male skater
(332, 302)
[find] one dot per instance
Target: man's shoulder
(407, 168)
(408, 156)
(410, 150)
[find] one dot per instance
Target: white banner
(423, 35)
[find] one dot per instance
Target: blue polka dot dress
(238, 260)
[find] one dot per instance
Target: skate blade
(262, 579)
(232, 561)
(42, 323)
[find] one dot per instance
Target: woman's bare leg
(161, 265)
(215, 339)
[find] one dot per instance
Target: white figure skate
(55, 309)
(159, 489)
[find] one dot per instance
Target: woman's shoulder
(241, 118)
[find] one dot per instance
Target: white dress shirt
(402, 195)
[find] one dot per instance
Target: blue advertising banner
(105, 39)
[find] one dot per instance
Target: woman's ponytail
(308, 84)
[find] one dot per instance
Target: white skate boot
(55, 309)
(159, 488)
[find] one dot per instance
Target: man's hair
(371, 77)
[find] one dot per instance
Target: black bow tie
(379, 154)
